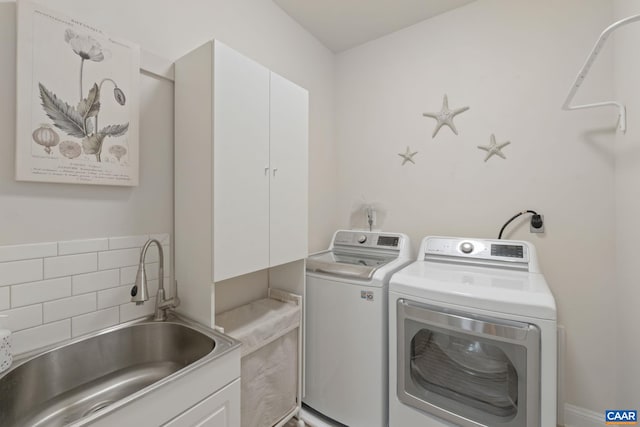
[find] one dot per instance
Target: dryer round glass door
(470, 370)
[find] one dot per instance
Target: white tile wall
(5, 298)
(128, 274)
(132, 311)
(57, 290)
(45, 290)
(68, 307)
(119, 258)
(24, 317)
(20, 252)
(94, 321)
(114, 296)
(92, 282)
(72, 247)
(20, 271)
(41, 336)
(162, 238)
(126, 242)
(70, 264)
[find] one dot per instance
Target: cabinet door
(221, 409)
(241, 164)
(289, 139)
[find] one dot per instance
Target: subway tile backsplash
(92, 282)
(21, 252)
(68, 265)
(35, 292)
(94, 321)
(5, 298)
(41, 336)
(66, 308)
(55, 291)
(73, 247)
(121, 258)
(20, 271)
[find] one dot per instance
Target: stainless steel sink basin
(104, 370)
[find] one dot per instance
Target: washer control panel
(368, 239)
(498, 250)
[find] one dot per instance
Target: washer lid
(498, 290)
(356, 265)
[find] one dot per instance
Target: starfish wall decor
(407, 156)
(494, 148)
(445, 116)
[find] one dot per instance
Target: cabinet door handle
(274, 171)
(266, 170)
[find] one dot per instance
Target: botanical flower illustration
(118, 151)
(118, 94)
(70, 149)
(46, 136)
(81, 121)
(86, 47)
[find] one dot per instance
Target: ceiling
(343, 24)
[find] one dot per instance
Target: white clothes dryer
(472, 337)
(346, 320)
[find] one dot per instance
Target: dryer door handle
(469, 324)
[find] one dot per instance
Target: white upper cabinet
(289, 171)
(240, 164)
(241, 170)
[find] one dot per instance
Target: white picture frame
(78, 93)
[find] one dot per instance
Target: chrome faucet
(140, 291)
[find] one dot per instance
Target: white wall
(33, 212)
(512, 62)
(258, 28)
(627, 191)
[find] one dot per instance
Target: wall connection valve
(371, 217)
(536, 225)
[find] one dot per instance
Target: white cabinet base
(184, 393)
(221, 409)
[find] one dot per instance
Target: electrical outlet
(374, 218)
(537, 224)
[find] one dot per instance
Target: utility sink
(105, 370)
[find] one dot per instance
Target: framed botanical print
(77, 102)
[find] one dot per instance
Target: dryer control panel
(477, 250)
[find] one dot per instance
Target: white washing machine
(472, 337)
(346, 320)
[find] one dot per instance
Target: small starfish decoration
(445, 116)
(407, 156)
(494, 148)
